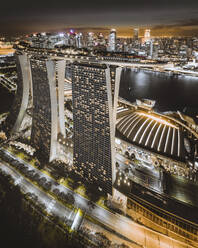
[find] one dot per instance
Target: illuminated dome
(154, 132)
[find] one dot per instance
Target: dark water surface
(170, 93)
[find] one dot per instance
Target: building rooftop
(156, 133)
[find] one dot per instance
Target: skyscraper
(79, 40)
(90, 40)
(136, 33)
(151, 48)
(112, 41)
(48, 106)
(147, 35)
(24, 86)
(93, 116)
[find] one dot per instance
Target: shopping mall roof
(154, 132)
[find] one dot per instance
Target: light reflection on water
(170, 93)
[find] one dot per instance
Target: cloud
(170, 16)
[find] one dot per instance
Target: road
(80, 201)
(120, 224)
(53, 206)
(56, 207)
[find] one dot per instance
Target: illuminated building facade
(93, 115)
(147, 35)
(20, 104)
(90, 40)
(156, 140)
(136, 33)
(48, 118)
(40, 87)
(112, 41)
(79, 40)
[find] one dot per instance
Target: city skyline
(99, 124)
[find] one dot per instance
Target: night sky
(163, 16)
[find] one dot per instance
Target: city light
(79, 138)
(160, 120)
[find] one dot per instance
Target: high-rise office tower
(147, 35)
(90, 40)
(112, 41)
(72, 38)
(151, 48)
(79, 40)
(101, 39)
(94, 124)
(136, 33)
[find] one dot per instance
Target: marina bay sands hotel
(98, 144)
(95, 90)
